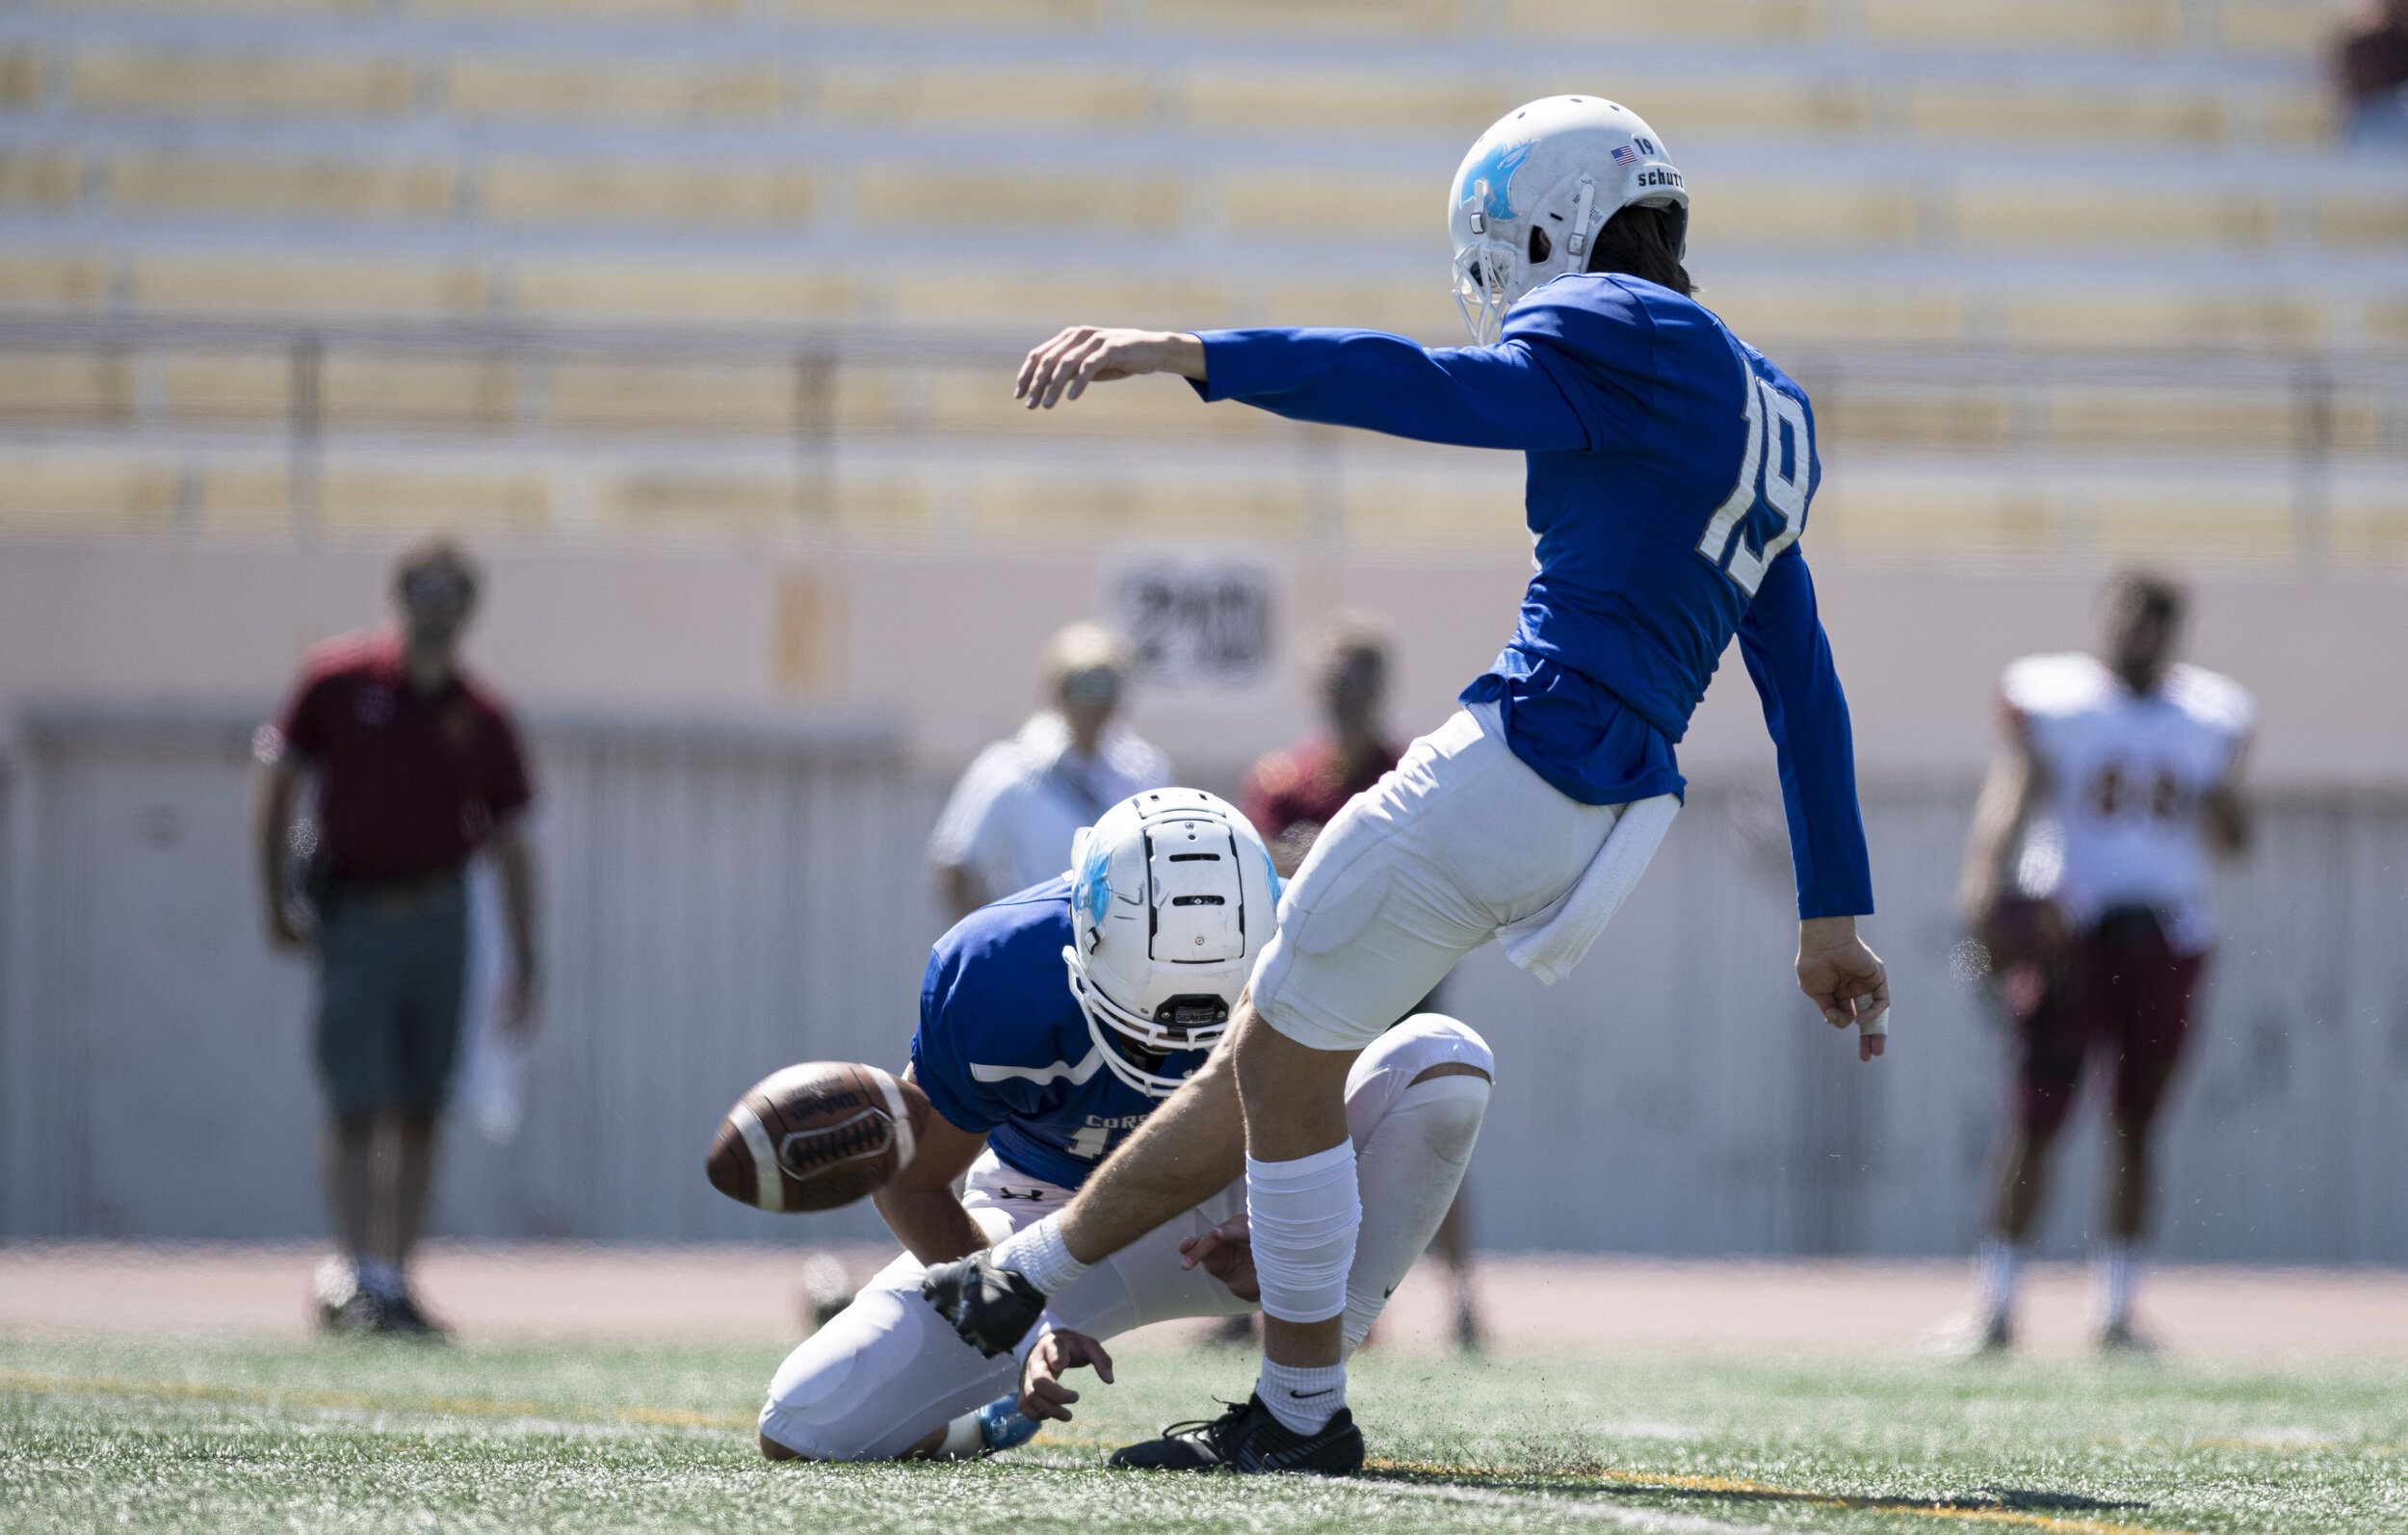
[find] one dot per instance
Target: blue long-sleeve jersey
(1670, 471)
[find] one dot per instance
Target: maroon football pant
(2124, 994)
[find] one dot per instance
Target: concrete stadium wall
(723, 898)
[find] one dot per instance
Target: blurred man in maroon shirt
(1290, 795)
(416, 768)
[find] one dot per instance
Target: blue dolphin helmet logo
(1093, 890)
(1496, 167)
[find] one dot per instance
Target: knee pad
(1304, 1214)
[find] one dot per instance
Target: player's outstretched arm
(1063, 366)
(1841, 975)
(919, 1204)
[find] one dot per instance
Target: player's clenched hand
(1227, 1254)
(1063, 366)
(1842, 976)
(1042, 1394)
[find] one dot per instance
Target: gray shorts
(391, 972)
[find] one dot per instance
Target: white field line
(1640, 1519)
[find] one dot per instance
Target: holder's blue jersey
(1004, 1052)
(1670, 470)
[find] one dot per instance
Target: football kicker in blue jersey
(1004, 1052)
(1671, 467)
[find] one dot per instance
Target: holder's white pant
(888, 1370)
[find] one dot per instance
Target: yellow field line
(31, 1381)
(1797, 1494)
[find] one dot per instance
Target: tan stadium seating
(1988, 112)
(2127, 419)
(2026, 23)
(1775, 107)
(1772, 20)
(246, 499)
(2239, 522)
(38, 180)
(1039, 303)
(550, 192)
(1360, 15)
(21, 77)
(306, 285)
(696, 291)
(1476, 513)
(1384, 204)
(571, 11)
(1006, 504)
(1781, 215)
(762, 400)
(2057, 215)
(997, 96)
(385, 388)
(893, 195)
(675, 502)
(189, 83)
(2093, 319)
(165, 183)
(1872, 314)
(1925, 420)
(228, 388)
(2387, 322)
(1925, 514)
(2298, 29)
(1013, 14)
(65, 386)
(376, 496)
(2369, 524)
(1423, 309)
(2361, 220)
(84, 492)
(36, 280)
(531, 88)
(204, 7)
(2297, 118)
(1261, 100)
(978, 400)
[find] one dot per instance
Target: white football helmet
(1171, 899)
(1535, 189)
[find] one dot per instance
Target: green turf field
(372, 1436)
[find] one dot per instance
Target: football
(815, 1137)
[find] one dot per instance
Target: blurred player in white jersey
(2086, 879)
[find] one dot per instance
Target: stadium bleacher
(524, 264)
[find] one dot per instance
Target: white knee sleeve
(1409, 1168)
(1303, 1215)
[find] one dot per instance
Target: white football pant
(888, 1370)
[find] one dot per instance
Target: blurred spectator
(2086, 887)
(1290, 795)
(2371, 64)
(416, 768)
(1009, 822)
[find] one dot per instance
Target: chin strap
(1582, 206)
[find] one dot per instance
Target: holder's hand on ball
(1063, 366)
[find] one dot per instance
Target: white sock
(1408, 1170)
(2001, 1271)
(1304, 1213)
(2113, 1269)
(1037, 1255)
(1304, 1398)
(963, 1439)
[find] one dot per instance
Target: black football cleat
(991, 1308)
(1247, 1440)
